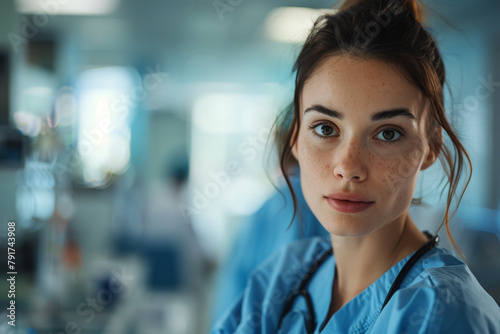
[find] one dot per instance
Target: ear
(435, 144)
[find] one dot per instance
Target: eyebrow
(377, 116)
(385, 114)
(324, 110)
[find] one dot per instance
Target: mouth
(348, 203)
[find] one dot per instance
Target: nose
(350, 162)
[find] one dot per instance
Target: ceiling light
(292, 24)
(65, 7)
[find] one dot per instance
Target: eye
(389, 135)
(324, 130)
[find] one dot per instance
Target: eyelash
(394, 128)
(314, 125)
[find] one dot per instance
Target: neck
(361, 261)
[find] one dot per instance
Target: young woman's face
(361, 144)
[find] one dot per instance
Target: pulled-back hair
(390, 31)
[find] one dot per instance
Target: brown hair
(391, 31)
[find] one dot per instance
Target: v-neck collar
(360, 312)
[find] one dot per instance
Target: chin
(346, 226)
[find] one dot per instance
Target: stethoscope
(302, 291)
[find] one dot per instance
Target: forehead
(347, 83)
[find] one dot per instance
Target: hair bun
(414, 7)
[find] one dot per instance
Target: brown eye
(389, 135)
(324, 130)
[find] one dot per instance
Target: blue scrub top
(438, 295)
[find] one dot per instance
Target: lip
(348, 202)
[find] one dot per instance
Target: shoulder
(260, 305)
(442, 295)
(293, 258)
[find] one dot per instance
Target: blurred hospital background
(134, 150)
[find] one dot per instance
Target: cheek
(312, 159)
(314, 170)
(398, 174)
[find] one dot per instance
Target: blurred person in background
(166, 230)
(368, 117)
(149, 222)
(174, 263)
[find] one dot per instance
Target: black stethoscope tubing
(302, 291)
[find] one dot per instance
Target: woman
(368, 117)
